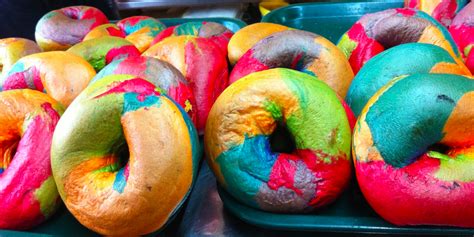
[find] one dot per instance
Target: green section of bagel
(410, 116)
(95, 50)
(47, 198)
(333, 135)
(83, 120)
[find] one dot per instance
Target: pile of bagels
(105, 118)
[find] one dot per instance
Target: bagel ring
(247, 37)
(413, 149)
(104, 191)
(424, 58)
(300, 50)
(376, 32)
(103, 50)
(462, 30)
(61, 75)
(141, 30)
(28, 194)
(203, 65)
(12, 49)
(218, 33)
(65, 27)
(239, 151)
(158, 72)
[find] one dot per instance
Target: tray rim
(248, 215)
(273, 14)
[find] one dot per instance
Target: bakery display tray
(349, 214)
(329, 19)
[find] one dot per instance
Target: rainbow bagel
(441, 10)
(65, 27)
(103, 50)
(12, 49)
(211, 30)
(300, 50)
(28, 194)
(424, 58)
(373, 33)
(105, 30)
(405, 182)
(246, 116)
(141, 30)
(462, 30)
(158, 72)
(203, 65)
(247, 37)
(104, 191)
(61, 75)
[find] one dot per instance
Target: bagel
(441, 10)
(105, 30)
(301, 50)
(247, 37)
(218, 33)
(61, 75)
(413, 150)
(28, 194)
(240, 153)
(424, 58)
(117, 118)
(376, 32)
(141, 30)
(158, 72)
(462, 30)
(103, 50)
(12, 49)
(203, 65)
(65, 27)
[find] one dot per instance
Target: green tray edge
(308, 222)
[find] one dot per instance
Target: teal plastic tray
(63, 222)
(330, 20)
(349, 214)
(231, 23)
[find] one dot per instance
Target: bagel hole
(123, 155)
(8, 149)
(441, 148)
(281, 139)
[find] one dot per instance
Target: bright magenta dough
(413, 150)
(462, 30)
(28, 194)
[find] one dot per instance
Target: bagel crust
(299, 50)
(462, 30)
(124, 157)
(392, 63)
(28, 194)
(201, 62)
(61, 75)
(376, 32)
(60, 29)
(218, 33)
(141, 30)
(238, 149)
(413, 150)
(12, 49)
(441, 10)
(101, 51)
(158, 72)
